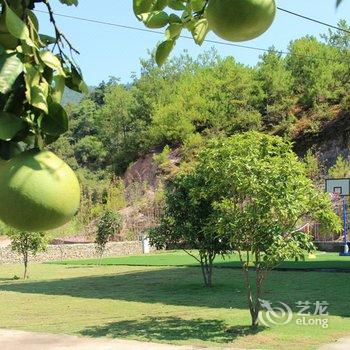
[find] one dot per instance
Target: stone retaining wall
(73, 251)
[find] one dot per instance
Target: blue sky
(109, 51)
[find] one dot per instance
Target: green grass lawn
(167, 304)
(180, 258)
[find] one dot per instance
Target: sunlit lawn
(180, 258)
(166, 304)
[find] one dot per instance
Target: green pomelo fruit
(240, 20)
(38, 191)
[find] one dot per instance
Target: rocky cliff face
(332, 141)
(147, 171)
(143, 191)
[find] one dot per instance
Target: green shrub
(109, 225)
(162, 159)
(24, 243)
(341, 169)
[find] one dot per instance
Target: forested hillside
(303, 96)
(189, 100)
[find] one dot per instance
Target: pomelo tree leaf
(156, 19)
(198, 5)
(146, 6)
(59, 88)
(10, 125)
(173, 31)
(47, 39)
(55, 122)
(17, 27)
(200, 30)
(37, 90)
(10, 68)
(39, 96)
(142, 6)
(76, 82)
(173, 18)
(69, 2)
(51, 139)
(177, 5)
(160, 5)
(163, 51)
(52, 61)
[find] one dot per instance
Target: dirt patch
(14, 340)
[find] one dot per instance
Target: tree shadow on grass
(7, 279)
(166, 329)
(173, 286)
(183, 287)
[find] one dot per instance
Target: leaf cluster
(186, 222)
(25, 242)
(175, 15)
(34, 71)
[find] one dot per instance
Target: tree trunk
(253, 301)
(258, 284)
(249, 296)
(255, 319)
(207, 268)
(25, 261)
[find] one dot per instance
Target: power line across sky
(100, 45)
(217, 42)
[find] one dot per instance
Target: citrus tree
(25, 243)
(260, 198)
(186, 224)
(34, 70)
(109, 224)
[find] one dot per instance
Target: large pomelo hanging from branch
(240, 20)
(38, 191)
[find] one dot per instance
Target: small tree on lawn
(24, 243)
(109, 224)
(186, 224)
(262, 197)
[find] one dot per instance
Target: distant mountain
(71, 96)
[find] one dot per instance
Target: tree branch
(190, 254)
(60, 37)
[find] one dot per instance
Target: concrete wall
(73, 251)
